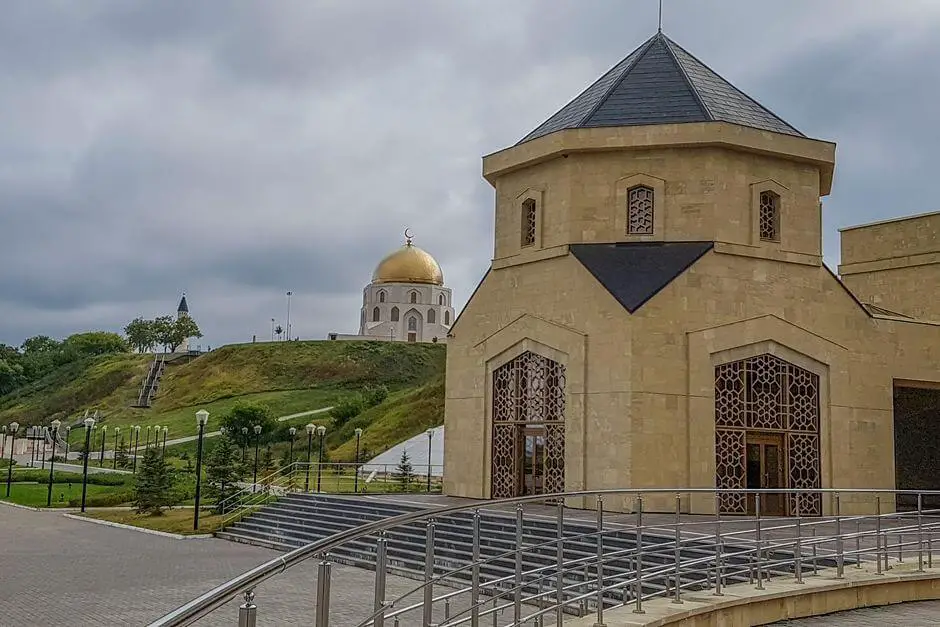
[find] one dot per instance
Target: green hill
(288, 377)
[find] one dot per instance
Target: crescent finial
(408, 237)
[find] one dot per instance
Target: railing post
(760, 577)
(517, 591)
(840, 552)
(718, 550)
(600, 562)
(878, 534)
(429, 575)
(560, 580)
(323, 592)
(248, 613)
(381, 548)
(858, 544)
(798, 549)
(475, 573)
(678, 553)
(639, 556)
(920, 533)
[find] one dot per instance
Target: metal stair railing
(665, 559)
(256, 495)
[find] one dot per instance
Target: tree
(141, 334)
(121, 458)
(183, 328)
(154, 484)
(222, 472)
(246, 414)
(163, 331)
(11, 376)
(95, 343)
(278, 330)
(40, 344)
(404, 473)
(346, 410)
(373, 396)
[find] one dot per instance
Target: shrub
(104, 500)
(346, 410)
(375, 395)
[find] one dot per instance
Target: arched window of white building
(414, 297)
(376, 314)
(440, 299)
(432, 316)
(447, 317)
(394, 314)
(382, 296)
(412, 323)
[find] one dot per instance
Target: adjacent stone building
(657, 313)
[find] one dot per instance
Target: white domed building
(406, 300)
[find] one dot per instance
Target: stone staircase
(298, 519)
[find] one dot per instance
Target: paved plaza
(55, 570)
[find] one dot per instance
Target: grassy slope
(288, 377)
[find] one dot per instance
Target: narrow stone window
(432, 316)
(382, 297)
(769, 216)
(640, 211)
(447, 317)
(440, 299)
(528, 222)
(394, 314)
(376, 314)
(414, 297)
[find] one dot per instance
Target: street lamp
(430, 436)
(147, 444)
(289, 294)
(254, 483)
(117, 431)
(89, 425)
(55, 433)
(356, 480)
(13, 428)
(321, 431)
(244, 444)
(310, 429)
(165, 431)
(136, 446)
(68, 442)
(104, 432)
(45, 435)
(293, 432)
(3, 440)
(202, 417)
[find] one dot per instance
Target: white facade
(406, 312)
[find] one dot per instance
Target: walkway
(918, 614)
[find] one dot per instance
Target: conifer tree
(404, 474)
(154, 484)
(222, 472)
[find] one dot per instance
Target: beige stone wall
(894, 264)
(707, 194)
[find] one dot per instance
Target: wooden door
(765, 470)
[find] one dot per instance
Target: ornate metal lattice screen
(640, 211)
(769, 216)
(528, 222)
(766, 394)
(528, 391)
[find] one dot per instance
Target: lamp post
(3, 441)
(147, 444)
(430, 437)
(13, 428)
(55, 433)
(68, 442)
(45, 435)
(293, 432)
(117, 431)
(165, 431)
(136, 446)
(289, 294)
(254, 483)
(244, 444)
(321, 431)
(272, 329)
(202, 417)
(310, 429)
(356, 468)
(104, 432)
(89, 425)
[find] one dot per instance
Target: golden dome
(408, 264)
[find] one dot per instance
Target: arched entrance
(767, 434)
(528, 427)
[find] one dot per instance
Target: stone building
(657, 313)
(406, 300)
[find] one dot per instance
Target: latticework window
(394, 314)
(640, 211)
(766, 394)
(528, 395)
(769, 216)
(376, 314)
(528, 222)
(432, 316)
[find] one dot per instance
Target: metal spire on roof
(660, 16)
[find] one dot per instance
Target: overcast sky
(237, 150)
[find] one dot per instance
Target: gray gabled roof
(183, 306)
(661, 83)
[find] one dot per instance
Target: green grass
(34, 495)
(172, 520)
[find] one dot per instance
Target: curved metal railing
(666, 557)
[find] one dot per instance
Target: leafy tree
(40, 344)
(11, 376)
(373, 396)
(404, 473)
(346, 410)
(141, 334)
(163, 331)
(267, 464)
(278, 330)
(183, 328)
(246, 414)
(153, 489)
(95, 343)
(222, 471)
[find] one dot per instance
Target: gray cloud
(240, 149)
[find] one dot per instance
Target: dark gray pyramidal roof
(661, 83)
(184, 306)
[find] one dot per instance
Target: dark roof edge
(847, 290)
(688, 81)
(642, 50)
(736, 88)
